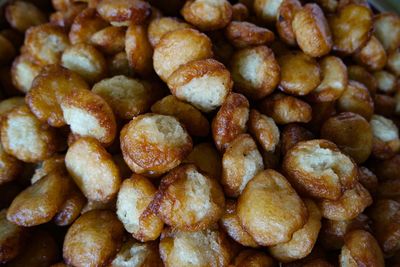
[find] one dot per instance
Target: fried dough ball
(312, 31)
(55, 163)
(23, 72)
(138, 49)
(189, 200)
(85, 60)
(368, 179)
(240, 163)
(393, 62)
(207, 159)
(195, 122)
(153, 144)
(319, 169)
(372, 55)
(387, 30)
(45, 43)
(252, 258)
(361, 75)
(387, 82)
(230, 120)
(9, 104)
(203, 83)
(7, 50)
(71, 208)
(348, 206)
(231, 225)
(93, 169)
(286, 109)
(384, 105)
(303, 240)
(161, 26)
(242, 34)
(41, 250)
(85, 25)
(300, 73)
(386, 142)
(179, 248)
(357, 99)
(12, 237)
(180, 47)
(292, 134)
(267, 10)
(26, 138)
(255, 71)
(351, 28)
(93, 240)
(39, 202)
(89, 115)
(270, 210)
(286, 14)
(118, 64)
(124, 12)
(264, 130)
(207, 15)
(110, 40)
(48, 90)
(133, 210)
(351, 133)
(127, 97)
(138, 254)
(10, 167)
(361, 248)
(66, 18)
(334, 80)
(333, 232)
(239, 12)
(22, 15)
(385, 214)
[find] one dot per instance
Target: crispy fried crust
(231, 225)
(372, 55)
(133, 253)
(195, 122)
(361, 248)
(179, 248)
(270, 196)
(39, 140)
(318, 168)
(124, 12)
(161, 26)
(230, 120)
(348, 206)
(351, 28)
(89, 115)
(253, 258)
(110, 40)
(287, 12)
(154, 144)
(240, 163)
(45, 43)
(189, 44)
(48, 90)
(207, 15)
(93, 239)
(203, 83)
(264, 130)
(22, 15)
(40, 202)
(255, 71)
(138, 49)
(351, 133)
(188, 200)
(357, 99)
(312, 31)
(93, 169)
(85, 25)
(243, 34)
(23, 72)
(133, 208)
(303, 240)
